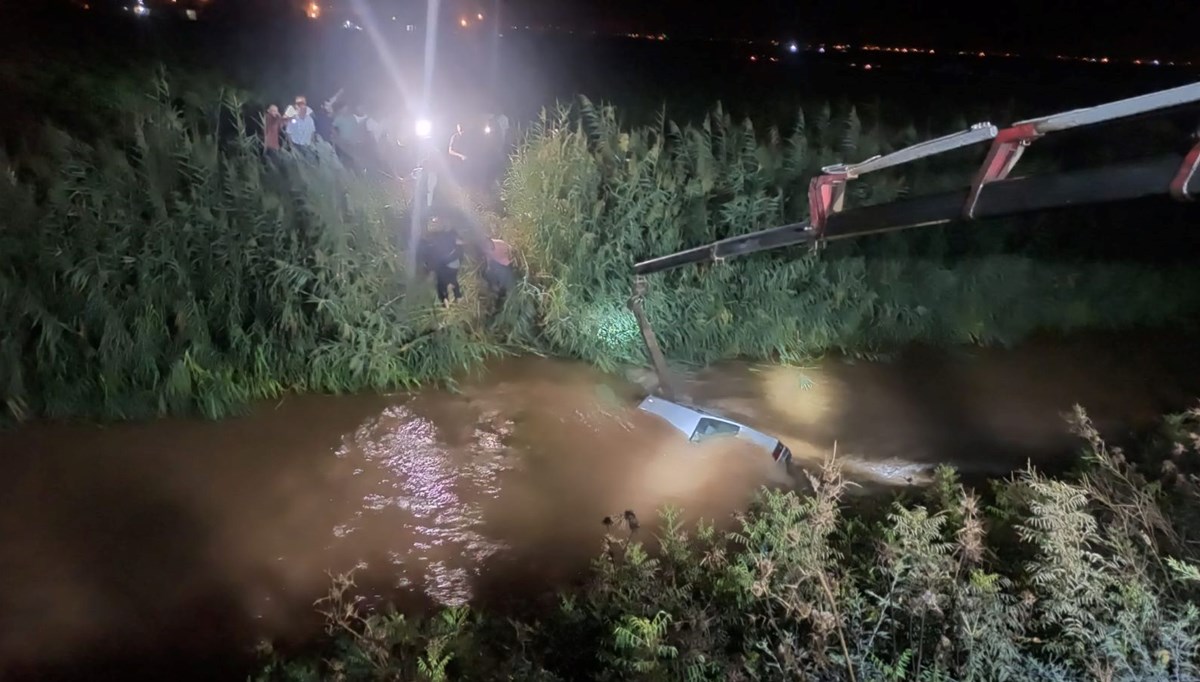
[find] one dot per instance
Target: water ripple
(426, 496)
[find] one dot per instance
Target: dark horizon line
(616, 27)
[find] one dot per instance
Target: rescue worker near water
(498, 270)
(443, 255)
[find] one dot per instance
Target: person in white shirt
(300, 125)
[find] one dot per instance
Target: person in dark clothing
(325, 116)
(444, 256)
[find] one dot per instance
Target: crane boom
(991, 194)
(1014, 196)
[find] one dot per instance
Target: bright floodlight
(424, 127)
(487, 130)
(793, 48)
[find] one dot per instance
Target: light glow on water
(498, 488)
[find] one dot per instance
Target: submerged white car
(700, 426)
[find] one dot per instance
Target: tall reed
(167, 269)
(155, 265)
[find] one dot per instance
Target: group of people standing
(472, 159)
(298, 124)
(354, 134)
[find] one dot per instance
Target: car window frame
(737, 429)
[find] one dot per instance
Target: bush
(1079, 579)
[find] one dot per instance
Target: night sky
(1092, 27)
(1116, 28)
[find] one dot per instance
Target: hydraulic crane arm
(991, 194)
(1143, 178)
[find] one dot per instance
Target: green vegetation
(154, 264)
(151, 263)
(1092, 578)
(585, 198)
(167, 269)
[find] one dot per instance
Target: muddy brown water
(185, 540)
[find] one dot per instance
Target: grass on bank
(1089, 578)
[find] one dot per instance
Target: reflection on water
(206, 534)
(430, 500)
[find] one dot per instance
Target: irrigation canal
(130, 544)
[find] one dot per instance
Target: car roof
(656, 404)
(682, 417)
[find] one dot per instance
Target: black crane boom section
(1134, 180)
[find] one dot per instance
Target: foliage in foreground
(168, 269)
(1084, 579)
(586, 198)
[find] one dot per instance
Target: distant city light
(141, 10)
(794, 48)
(313, 11)
(463, 22)
(479, 16)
